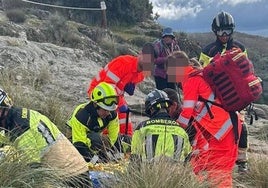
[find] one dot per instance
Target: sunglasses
(109, 101)
(226, 31)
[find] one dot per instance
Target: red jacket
(193, 87)
(119, 72)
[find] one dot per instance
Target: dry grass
(27, 92)
(161, 174)
(257, 175)
(15, 172)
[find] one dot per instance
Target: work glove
(123, 109)
(129, 88)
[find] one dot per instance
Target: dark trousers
(162, 83)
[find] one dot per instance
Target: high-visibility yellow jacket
(85, 119)
(160, 136)
(30, 131)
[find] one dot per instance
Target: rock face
(63, 69)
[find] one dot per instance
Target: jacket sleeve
(79, 131)
(137, 143)
(190, 93)
(113, 129)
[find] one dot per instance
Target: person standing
(215, 142)
(223, 27)
(164, 47)
(159, 136)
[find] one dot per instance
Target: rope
(57, 6)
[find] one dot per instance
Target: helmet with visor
(222, 24)
(105, 96)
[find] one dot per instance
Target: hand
(123, 109)
(129, 88)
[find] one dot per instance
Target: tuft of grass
(15, 172)
(161, 174)
(258, 173)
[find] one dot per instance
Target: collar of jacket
(163, 115)
(229, 42)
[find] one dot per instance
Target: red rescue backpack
(232, 79)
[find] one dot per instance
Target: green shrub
(16, 15)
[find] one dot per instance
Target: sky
(251, 16)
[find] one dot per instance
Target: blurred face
(167, 39)
(103, 113)
(145, 64)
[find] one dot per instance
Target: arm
(190, 93)
(113, 129)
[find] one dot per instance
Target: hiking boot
(242, 166)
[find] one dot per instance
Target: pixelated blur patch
(176, 68)
(176, 74)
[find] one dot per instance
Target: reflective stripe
(44, 130)
(223, 129)
(178, 143)
(122, 121)
(195, 152)
(183, 120)
(111, 75)
(97, 77)
(189, 104)
(204, 111)
(205, 147)
(194, 142)
(149, 147)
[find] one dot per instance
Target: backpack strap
(232, 115)
(206, 101)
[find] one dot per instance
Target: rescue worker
(159, 136)
(88, 121)
(175, 106)
(164, 47)
(223, 27)
(215, 145)
(124, 73)
(41, 141)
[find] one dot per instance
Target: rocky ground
(46, 70)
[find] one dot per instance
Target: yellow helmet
(5, 100)
(105, 96)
